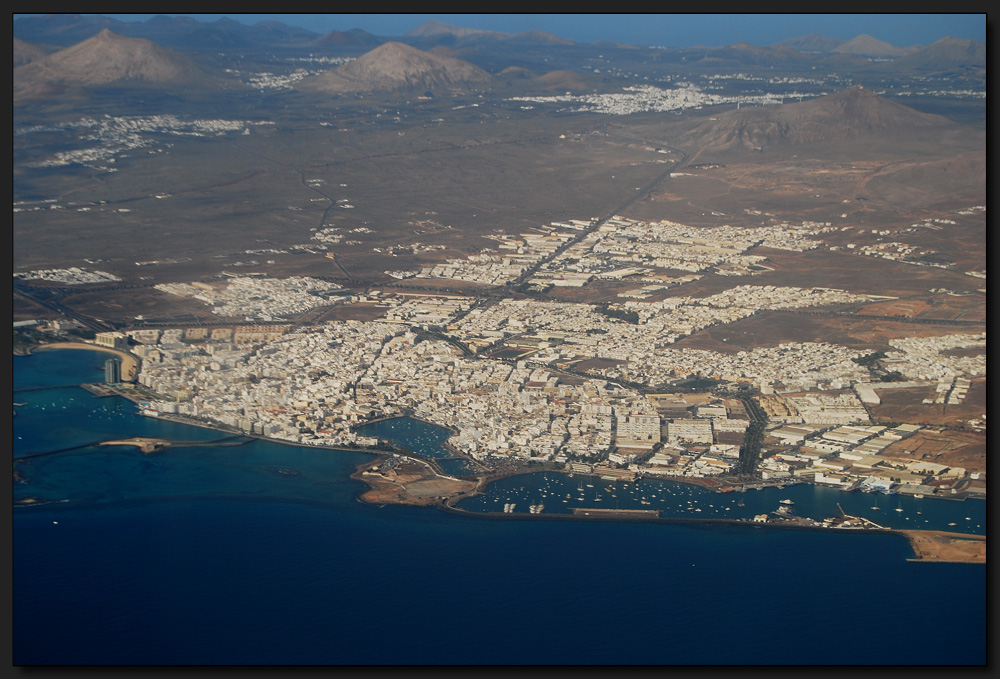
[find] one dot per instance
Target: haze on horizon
(667, 30)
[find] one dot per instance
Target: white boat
(788, 503)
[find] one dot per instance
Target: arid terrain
(936, 546)
(169, 164)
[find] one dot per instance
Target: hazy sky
(668, 30)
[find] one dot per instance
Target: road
(532, 270)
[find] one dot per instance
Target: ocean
(262, 554)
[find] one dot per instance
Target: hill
(433, 28)
(867, 46)
(745, 53)
(814, 42)
(175, 32)
(843, 117)
(434, 32)
(105, 59)
(26, 52)
(354, 38)
(947, 54)
(395, 66)
(63, 30)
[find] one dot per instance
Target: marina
(285, 540)
(682, 500)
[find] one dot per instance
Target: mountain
(175, 32)
(25, 52)
(433, 28)
(853, 115)
(434, 32)
(947, 54)
(63, 30)
(105, 59)
(745, 53)
(867, 46)
(354, 38)
(539, 38)
(814, 42)
(395, 66)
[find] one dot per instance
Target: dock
(617, 513)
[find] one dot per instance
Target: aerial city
(416, 342)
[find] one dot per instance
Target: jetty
(624, 514)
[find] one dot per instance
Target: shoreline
(928, 546)
(130, 363)
(709, 483)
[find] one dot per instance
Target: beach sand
(130, 364)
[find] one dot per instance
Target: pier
(624, 514)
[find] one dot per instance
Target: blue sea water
(262, 555)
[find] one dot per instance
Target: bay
(263, 554)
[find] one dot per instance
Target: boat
(787, 503)
(918, 495)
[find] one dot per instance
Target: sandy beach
(130, 364)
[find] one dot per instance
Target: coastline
(130, 364)
(415, 481)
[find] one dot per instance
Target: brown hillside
(394, 66)
(106, 58)
(867, 46)
(25, 52)
(945, 54)
(853, 114)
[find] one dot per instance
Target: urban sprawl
(592, 388)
